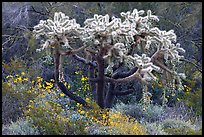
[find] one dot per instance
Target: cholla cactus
(165, 43)
(56, 30)
(144, 64)
(118, 51)
(100, 26)
(131, 40)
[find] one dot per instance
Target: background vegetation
(31, 104)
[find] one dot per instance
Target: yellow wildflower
(39, 79)
(52, 80)
(152, 86)
(49, 87)
(39, 85)
(23, 73)
(83, 79)
(88, 87)
(25, 79)
(65, 83)
(76, 73)
(103, 116)
(9, 76)
(87, 99)
(49, 91)
(62, 94)
(19, 79)
(48, 83)
(82, 112)
(78, 104)
(69, 86)
(30, 101)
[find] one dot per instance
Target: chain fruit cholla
(112, 44)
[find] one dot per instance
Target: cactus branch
(83, 60)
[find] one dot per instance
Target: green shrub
(151, 114)
(190, 97)
(183, 131)
(16, 93)
(10, 108)
(102, 130)
(50, 112)
(172, 127)
(154, 129)
(51, 119)
(179, 127)
(176, 123)
(20, 127)
(107, 121)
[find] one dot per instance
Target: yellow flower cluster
(83, 78)
(44, 111)
(125, 125)
(67, 85)
(17, 78)
(187, 88)
(49, 85)
(62, 94)
(47, 116)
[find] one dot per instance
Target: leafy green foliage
(194, 100)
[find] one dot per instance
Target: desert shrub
(95, 130)
(179, 127)
(190, 97)
(118, 124)
(152, 112)
(107, 121)
(125, 125)
(172, 126)
(16, 93)
(10, 109)
(51, 110)
(183, 131)
(31, 96)
(10, 106)
(192, 91)
(17, 65)
(176, 123)
(194, 132)
(183, 112)
(154, 129)
(51, 117)
(80, 84)
(20, 127)
(50, 122)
